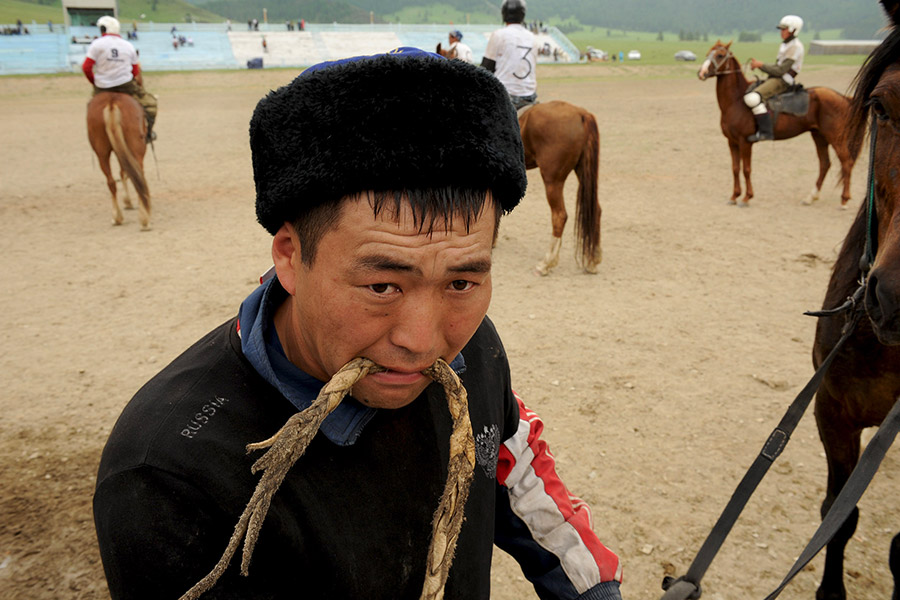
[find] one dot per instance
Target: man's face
(785, 33)
(380, 289)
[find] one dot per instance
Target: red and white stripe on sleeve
(559, 521)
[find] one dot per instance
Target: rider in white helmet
(112, 66)
(511, 54)
(781, 76)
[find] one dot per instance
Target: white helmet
(111, 24)
(792, 23)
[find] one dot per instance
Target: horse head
(451, 53)
(716, 60)
(876, 105)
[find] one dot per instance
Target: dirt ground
(659, 378)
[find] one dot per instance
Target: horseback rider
(463, 52)
(511, 55)
(112, 66)
(782, 76)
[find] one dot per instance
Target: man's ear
(286, 256)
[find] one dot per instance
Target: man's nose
(417, 327)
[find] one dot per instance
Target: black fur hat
(408, 120)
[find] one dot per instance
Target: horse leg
(895, 565)
(558, 218)
(842, 443)
(746, 152)
(735, 171)
(847, 161)
(111, 184)
(126, 199)
(824, 165)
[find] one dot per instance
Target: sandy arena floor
(659, 378)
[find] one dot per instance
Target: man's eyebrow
(474, 266)
(379, 262)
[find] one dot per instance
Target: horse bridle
(717, 63)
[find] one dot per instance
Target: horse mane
(886, 54)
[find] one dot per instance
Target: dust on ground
(658, 378)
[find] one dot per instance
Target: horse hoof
(147, 227)
(744, 205)
(117, 222)
(844, 206)
(541, 270)
(732, 202)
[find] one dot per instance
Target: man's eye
(382, 288)
(461, 285)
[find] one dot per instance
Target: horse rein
(868, 257)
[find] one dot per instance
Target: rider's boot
(151, 135)
(763, 128)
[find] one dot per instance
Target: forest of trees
(857, 19)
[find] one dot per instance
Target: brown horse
(825, 119)
(864, 381)
(116, 124)
(560, 138)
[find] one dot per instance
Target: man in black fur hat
(382, 250)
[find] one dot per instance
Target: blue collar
(261, 346)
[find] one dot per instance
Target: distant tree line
(690, 36)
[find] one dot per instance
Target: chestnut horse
(825, 119)
(559, 138)
(864, 381)
(116, 124)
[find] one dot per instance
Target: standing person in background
(112, 66)
(463, 52)
(511, 55)
(781, 76)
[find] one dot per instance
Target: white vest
(787, 50)
(463, 52)
(113, 60)
(514, 50)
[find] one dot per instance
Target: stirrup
(151, 137)
(759, 136)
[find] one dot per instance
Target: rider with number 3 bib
(112, 66)
(511, 55)
(781, 76)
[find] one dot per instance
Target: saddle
(795, 101)
(525, 108)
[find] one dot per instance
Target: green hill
(160, 11)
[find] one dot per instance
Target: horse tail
(112, 119)
(587, 207)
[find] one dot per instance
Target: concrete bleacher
(214, 47)
(209, 50)
(33, 53)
